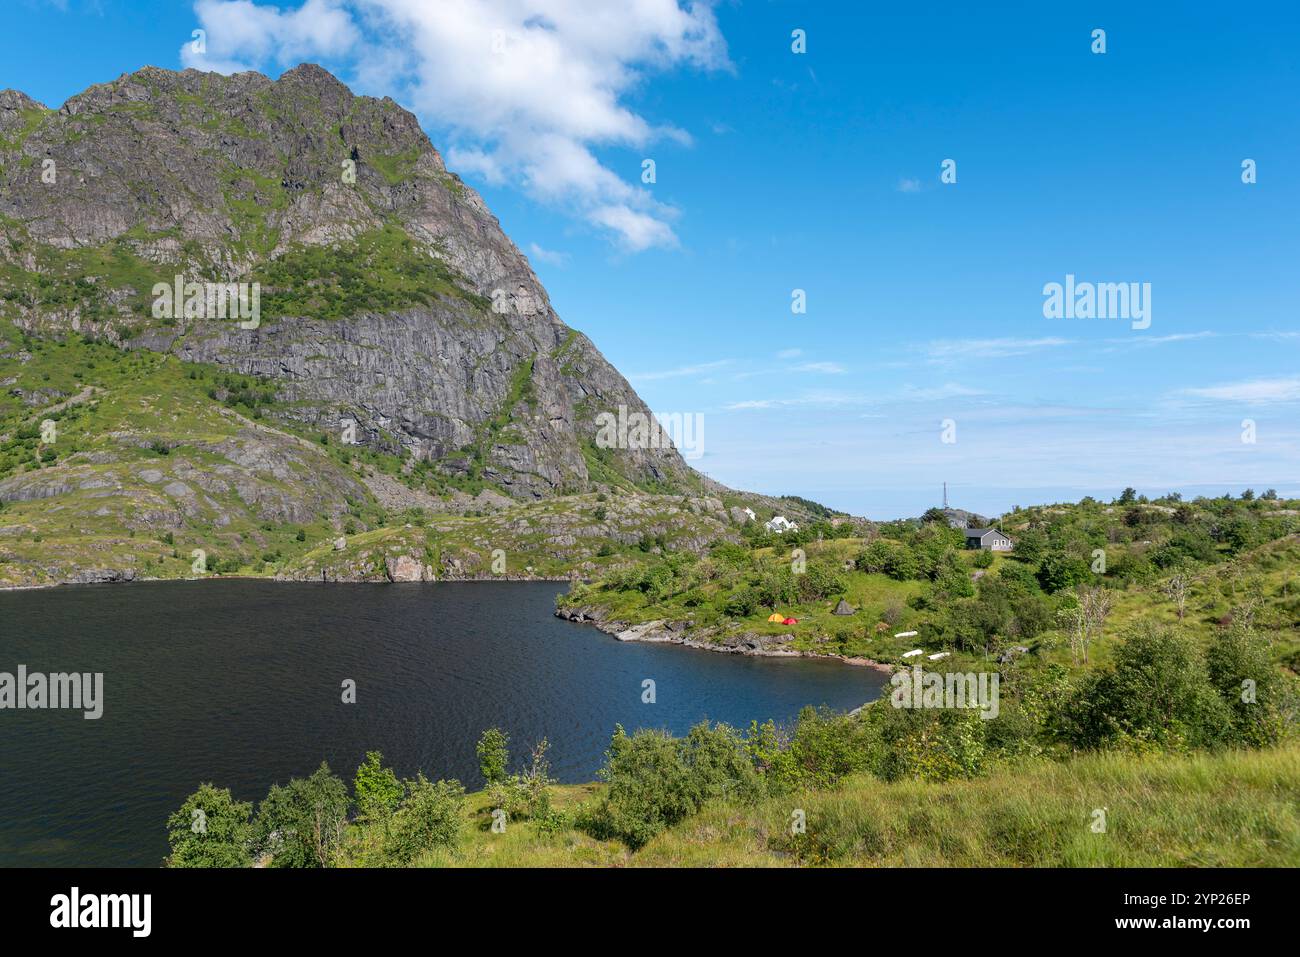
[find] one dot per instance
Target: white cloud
(1146, 342)
(908, 185)
(1254, 391)
(527, 89)
(820, 399)
(1276, 336)
(1177, 337)
(679, 372)
(949, 390)
(829, 368)
(637, 230)
(789, 353)
(241, 35)
(548, 256)
(955, 350)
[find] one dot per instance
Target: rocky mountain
(389, 294)
(961, 518)
(241, 318)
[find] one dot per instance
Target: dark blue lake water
(239, 683)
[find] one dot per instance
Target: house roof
(980, 532)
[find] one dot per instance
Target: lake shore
(662, 631)
(658, 631)
(279, 580)
(271, 679)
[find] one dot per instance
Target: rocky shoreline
(656, 631)
(113, 576)
(676, 632)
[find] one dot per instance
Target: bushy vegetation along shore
(1163, 717)
(1144, 712)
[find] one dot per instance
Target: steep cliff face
(389, 295)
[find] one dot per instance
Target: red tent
(790, 621)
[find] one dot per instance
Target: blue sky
(820, 171)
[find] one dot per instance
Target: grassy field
(1231, 809)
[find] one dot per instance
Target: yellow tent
(776, 618)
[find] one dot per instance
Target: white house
(749, 514)
(780, 523)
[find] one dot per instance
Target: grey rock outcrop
(217, 177)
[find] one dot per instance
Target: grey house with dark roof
(987, 538)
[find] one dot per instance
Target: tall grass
(1234, 809)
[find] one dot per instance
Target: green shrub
(903, 563)
(1059, 571)
(656, 582)
(937, 744)
(1156, 693)
(302, 823)
(742, 603)
(1242, 671)
(823, 748)
(818, 582)
(526, 794)
(376, 788)
(493, 751)
(428, 818)
(210, 829)
(656, 780)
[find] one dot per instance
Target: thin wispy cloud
(805, 368)
(1147, 342)
(949, 390)
(679, 372)
(528, 90)
(956, 350)
(822, 399)
(1178, 337)
(908, 185)
(829, 399)
(548, 256)
(826, 368)
(1277, 336)
(1253, 391)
